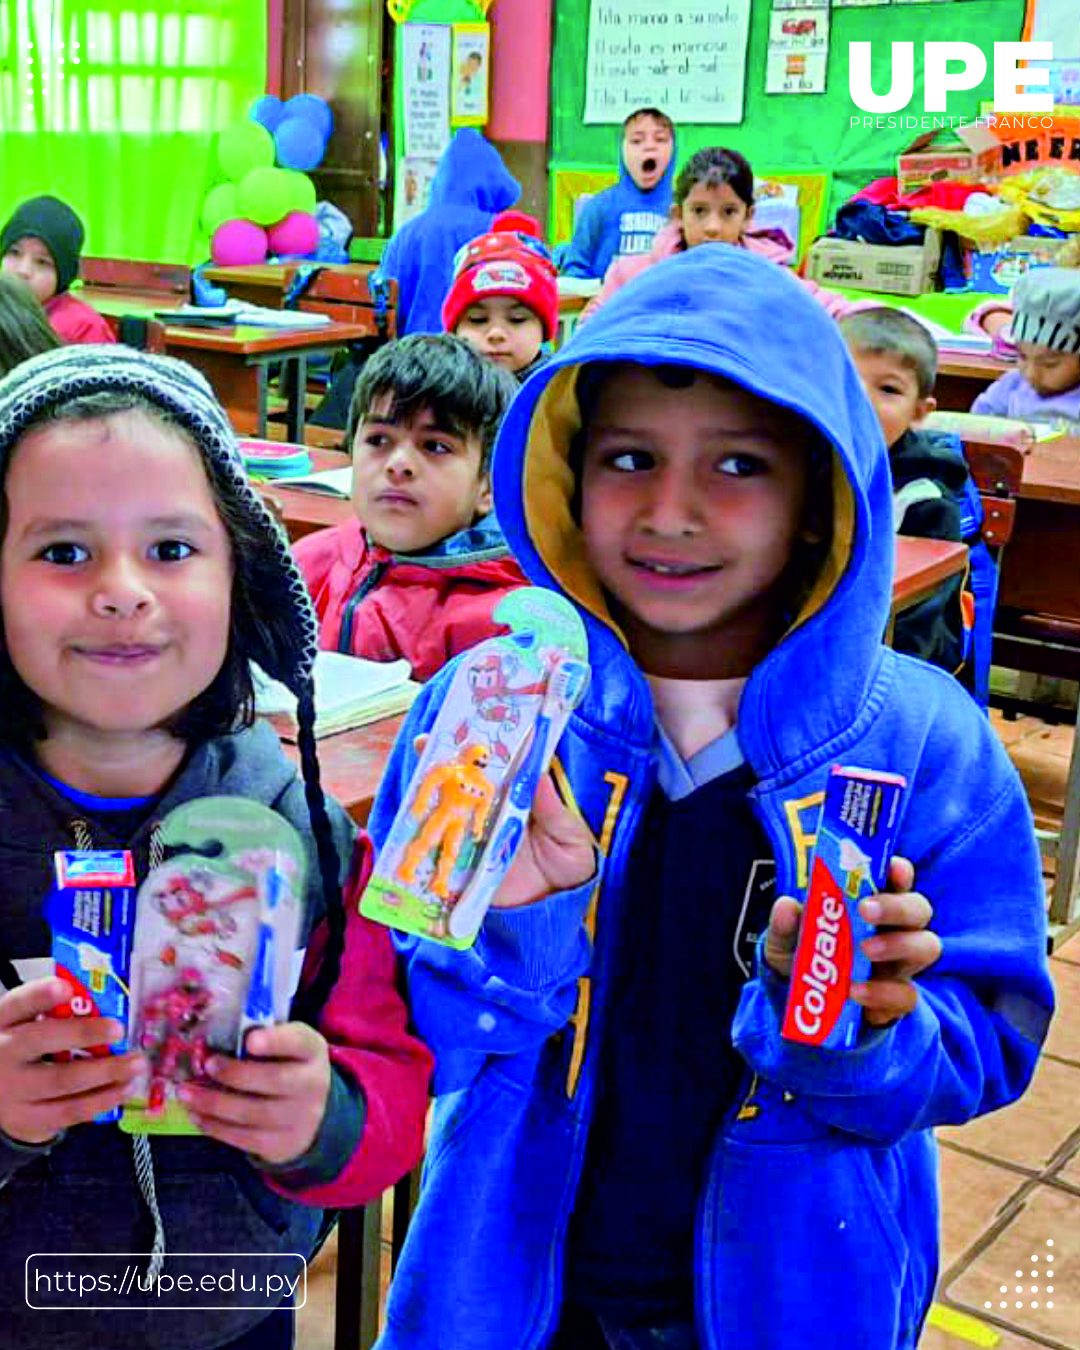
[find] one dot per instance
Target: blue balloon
(299, 143)
(268, 111)
(315, 108)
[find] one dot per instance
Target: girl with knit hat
(504, 300)
(1046, 333)
(41, 244)
(140, 575)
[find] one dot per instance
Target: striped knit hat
(1046, 308)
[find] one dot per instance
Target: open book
(1015, 431)
(238, 312)
(349, 692)
(330, 482)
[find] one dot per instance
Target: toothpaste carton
(855, 839)
(91, 910)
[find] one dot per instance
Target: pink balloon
(237, 243)
(298, 232)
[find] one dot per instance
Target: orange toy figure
(464, 796)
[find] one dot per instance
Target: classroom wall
(805, 133)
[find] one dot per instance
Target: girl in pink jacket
(713, 203)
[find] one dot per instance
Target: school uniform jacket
(80, 1192)
(817, 1222)
(423, 607)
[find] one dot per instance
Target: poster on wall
(687, 57)
(851, 4)
(412, 187)
(425, 87)
(471, 67)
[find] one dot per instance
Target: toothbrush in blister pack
(464, 813)
(214, 947)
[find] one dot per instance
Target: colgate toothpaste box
(855, 840)
(91, 911)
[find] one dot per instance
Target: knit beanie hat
(517, 265)
(285, 637)
(57, 226)
(1046, 308)
(516, 222)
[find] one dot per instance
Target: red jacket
(365, 1023)
(75, 321)
(383, 606)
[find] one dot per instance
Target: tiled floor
(1010, 1182)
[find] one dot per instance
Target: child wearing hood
(624, 1151)
(622, 220)
(40, 245)
(471, 186)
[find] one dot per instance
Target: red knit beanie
(504, 264)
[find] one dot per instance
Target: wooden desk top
(239, 340)
(352, 763)
(243, 340)
(1052, 471)
(974, 365)
(922, 565)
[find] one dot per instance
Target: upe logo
(939, 79)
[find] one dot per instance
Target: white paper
(687, 57)
(802, 31)
(340, 680)
(412, 187)
(425, 49)
(795, 72)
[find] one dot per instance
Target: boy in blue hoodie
(471, 186)
(624, 1151)
(623, 219)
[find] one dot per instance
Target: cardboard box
(906, 270)
(922, 167)
(997, 271)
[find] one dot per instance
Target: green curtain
(799, 133)
(114, 107)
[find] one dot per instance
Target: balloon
(297, 233)
(315, 109)
(265, 195)
(268, 111)
(301, 191)
(220, 206)
(237, 243)
(299, 143)
(244, 147)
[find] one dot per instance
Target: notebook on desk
(328, 482)
(237, 312)
(349, 693)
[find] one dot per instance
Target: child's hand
(900, 949)
(38, 1099)
(271, 1106)
(556, 854)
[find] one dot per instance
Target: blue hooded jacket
(618, 222)
(817, 1218)
(471, 186)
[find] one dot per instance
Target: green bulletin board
(789, 133)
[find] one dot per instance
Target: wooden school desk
(1040, 574)
(265, 283)
(235, 359)
(962, 376)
